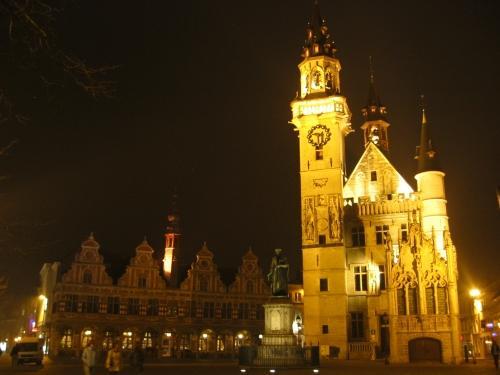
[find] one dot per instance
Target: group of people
(114, 360)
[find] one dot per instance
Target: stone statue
(278, 275)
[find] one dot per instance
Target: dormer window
(87, 277)
(373, 176)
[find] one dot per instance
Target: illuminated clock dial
(319, 135)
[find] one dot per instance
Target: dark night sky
(202, 107)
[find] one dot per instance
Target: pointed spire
(426, 155)
(374, 109)
(318, 40)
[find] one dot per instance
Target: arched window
(67, 339)
(87, 277)
(107, 341)
(86, 337)
(249, 287)
(127, 342)
(147, 340)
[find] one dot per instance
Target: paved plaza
(228, 368)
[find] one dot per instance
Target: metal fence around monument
(278, 356)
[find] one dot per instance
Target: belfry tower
(375, 124)
(322, 119)
(172, 245)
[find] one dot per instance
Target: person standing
(137, 359)
(88, 359)
(114, 360)
(495, 352)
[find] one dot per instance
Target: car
(27, 350)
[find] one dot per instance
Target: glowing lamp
(261, 336)
(168, 334)
(474, 293)
(204, 335)
(315, 371)
(87, 332)
(240, 336)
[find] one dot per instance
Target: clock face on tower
(319, 135)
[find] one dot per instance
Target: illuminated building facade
(379, 266)
(202, 317)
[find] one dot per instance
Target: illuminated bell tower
(322, 119)
(375, 124)
(172, 247)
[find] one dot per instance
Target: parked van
(28, 350)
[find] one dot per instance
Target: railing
(278, 356)
(386, 207)
(361, 350)
(423, 323)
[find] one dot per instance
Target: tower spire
(426, 155)
(375, 125)
(318, 40)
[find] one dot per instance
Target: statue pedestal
(279, 345)
(278, 322)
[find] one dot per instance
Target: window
(67, 339)
(227, 311)
(203, 284)
(127, 342)
(71, 303)
(381, 273)
(358, 236)
(322, 239)
(380, 233)
(249, 287)
(401, 301)
(360, 279)
(412, 301)
(208, 310)
(91, 304)
(442, 300)
(357, 326)
(323, 285)
(373, 176)
(319, 152)
(429, 300)
(243, 311)
(324, 328)
(107, 341)
(147, 340)
(152, 309)
(404, 232)
(133, 306)
(87, 277)
(113, 305)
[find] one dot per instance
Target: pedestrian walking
(137, 359)
(88, 359)
(495, 352)
(114, 360)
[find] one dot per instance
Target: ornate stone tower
(434, 224)
(172, 245)
(322, 119)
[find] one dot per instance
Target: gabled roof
(389, 180)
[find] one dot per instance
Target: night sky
(202, 108)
